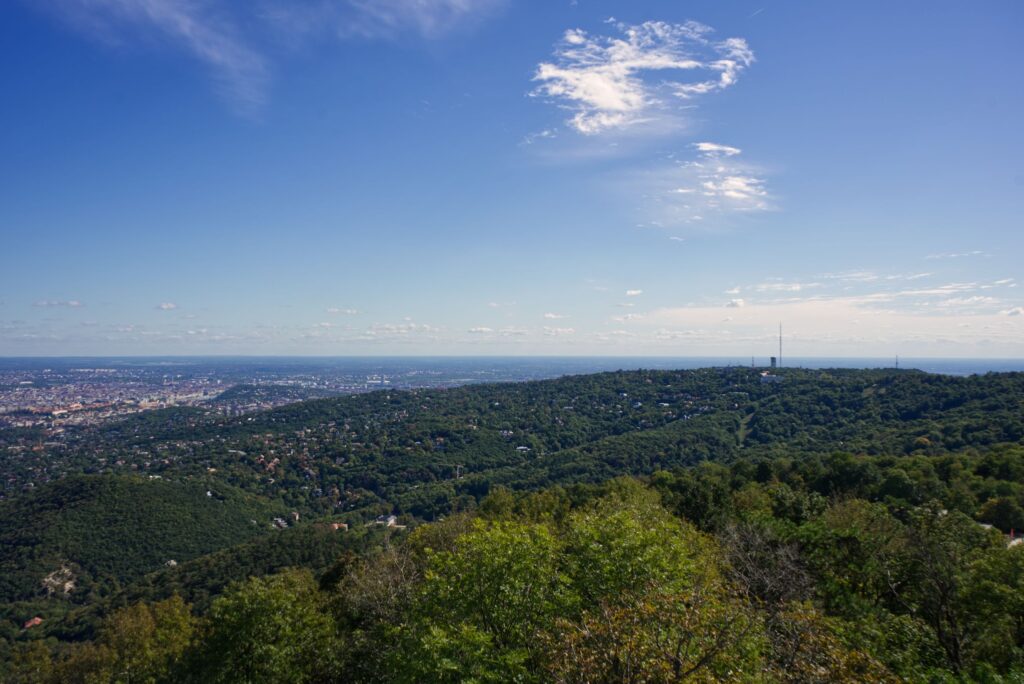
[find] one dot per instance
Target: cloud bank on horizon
(857, 313)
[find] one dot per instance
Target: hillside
(84, 535)
(420, 452)
(110, 506)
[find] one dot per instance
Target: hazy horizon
(492, 356)
(508, 367)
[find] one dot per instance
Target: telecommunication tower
(780, 345)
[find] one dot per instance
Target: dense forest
(709, 525)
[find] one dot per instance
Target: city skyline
(501, 178)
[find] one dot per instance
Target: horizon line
(488, 356)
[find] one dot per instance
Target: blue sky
(502, 177)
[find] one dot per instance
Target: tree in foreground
(270, 629)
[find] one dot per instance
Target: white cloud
(968, 301)
(1015, 311)
(693, 192)
(634, 293)
(558, 332)
(481, 330)
(959, 255)
(545, 134)
(342, 311)
(553, 316)
(734, 290)
(853, 276)
(613, 335)
(664, 334)
(784, 287)
(609, 82)
(399, 331)
(746, 191)
(167, 306)
(940, 290)
(714, 149)
(736, 304)
(62, 303)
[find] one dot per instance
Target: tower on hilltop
(780, 344)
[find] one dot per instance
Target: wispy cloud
(544, 134)
(613, 335)
(342, 311)
(853, 276)
(232, 39)
(553, 316)
(375, 18)
(723, 182)
(959, 255)
(399, 331)
(58, 303)
(714, 149)
(613, 82)
(873, 291)
(971, 303)
(206, 31)
(166, 306)
(784, 287)
(744, 190)
(558, 332)
(697, 191)
(634, 293)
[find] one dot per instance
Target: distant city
(55, 393)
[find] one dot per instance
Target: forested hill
(426, 452)
(109, 505)
(95, 531)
